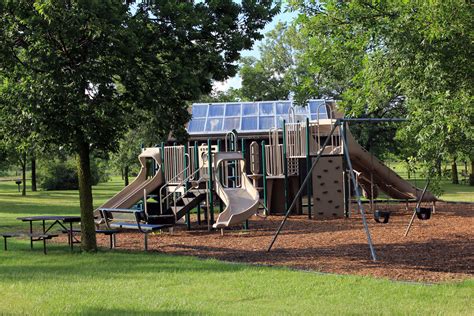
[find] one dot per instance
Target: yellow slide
(385, 178)
(240, 203)
(133, 192)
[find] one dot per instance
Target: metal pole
(264, 176)
(210, 205)
(357, 192)
(197, 176)
(285, 166)
(306, 179)
(219, 147)
(163, 159)
(308, 166)
(242, 144)
(416, 207)
(186, 185)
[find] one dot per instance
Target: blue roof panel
(250, 116)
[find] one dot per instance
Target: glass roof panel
(196, 125)
(249, 123)
(216, 110)
(249, 109)
(250, 116)
(317, 105)
(266, 122)
(214, 124)
(231, 123)
(199, 110)
(283, 107)
(280, 119)
(266, 108)
(232, 110)
(301, 110)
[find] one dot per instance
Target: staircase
(178, 197)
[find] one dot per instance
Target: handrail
(178, 186)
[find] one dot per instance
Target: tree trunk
(125, 174)
(408, 169)
(454, 172)
(88, 238)
(438, 168)
(33, 174)
(23, 173)
(22, 161)
(471, 176)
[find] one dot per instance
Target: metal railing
(175, 193)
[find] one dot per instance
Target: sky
(236, 82)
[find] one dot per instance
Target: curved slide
(385, 178)
(133, 192)
(240, 203)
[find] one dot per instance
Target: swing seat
(382, 216)
(423, 213)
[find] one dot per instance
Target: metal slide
(133, 192)
(385, 178)
(240, 203)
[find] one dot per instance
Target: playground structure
(261, 156)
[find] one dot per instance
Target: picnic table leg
(146, 241)
(111, 241)
(31, 234)
(44, 245)
(5, 243)
(114, 241)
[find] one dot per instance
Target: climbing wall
(328, 188)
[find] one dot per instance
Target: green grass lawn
(120, 282)
(451, 192)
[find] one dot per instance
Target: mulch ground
(439, 249)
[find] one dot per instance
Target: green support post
(285, 166)
(163, 169)
(309, 185)
(246, 224)
(264, 173)
(211, 202)
(163, 158)
(186, 184)
(219, 147)
(197, 175)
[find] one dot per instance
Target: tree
(271, 76)
(84, 65)
(405, 57)
(127, 153)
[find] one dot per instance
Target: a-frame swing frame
(342, 122)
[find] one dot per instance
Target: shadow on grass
(27, 265)
(118, 311)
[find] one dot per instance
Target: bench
(131, 219)
(33, 237)
(107, 232)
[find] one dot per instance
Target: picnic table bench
(133, 219)
(107, 232)
(33, 237)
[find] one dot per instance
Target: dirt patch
(439, 249)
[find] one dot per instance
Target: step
(161, 219)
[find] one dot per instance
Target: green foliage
(61, 174)
(272, 75)
(396, 58)
(76, 72)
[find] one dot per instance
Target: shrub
(58, 174)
